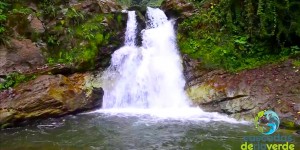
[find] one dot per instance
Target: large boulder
(36, 25)
(178, 8)
(242, 95)
(48, 96)
(20, 56)
(99, 6)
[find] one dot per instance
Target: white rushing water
(131, 29)
(148, 80)
(149, 76)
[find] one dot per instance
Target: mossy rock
(49, 96)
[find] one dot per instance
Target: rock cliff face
(99, 6)
(178, 8)
(58, 31)
(20, 56)
(48, 30)
(48, 96)
(242, 95)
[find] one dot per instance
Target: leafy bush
(15, 79)
(74, 17)
(85, 38)
(21, 10)
(129, 3)
(3, 17)
(50, 8)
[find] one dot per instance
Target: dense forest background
(242, 34)
(129, 3)
(230, 34)
(238, 34)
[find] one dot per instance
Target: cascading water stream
(149, 79)
(131, 29)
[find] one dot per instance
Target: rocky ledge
(242, 95)
(178, 8)
(48, 96)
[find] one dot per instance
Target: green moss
(288, 124)
(6, 116)
(119, 19)
(199, 94)
(296, 63)
(5, 125)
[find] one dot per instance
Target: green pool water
(97, 131)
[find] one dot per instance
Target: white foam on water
(193, 114)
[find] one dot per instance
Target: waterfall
(149, 76)
(148, 80)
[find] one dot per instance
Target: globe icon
(267, 122)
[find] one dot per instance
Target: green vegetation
(3, 17)
(229, 34)
(128, 3)
(296, 63)
(237, 35)
(15, 79)
(72, 36)
(50, 8)
(13, 17)
(78, 41)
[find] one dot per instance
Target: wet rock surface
(48, 96)
(21, 55)
(178, 8)
(243, 94)
(99, 6)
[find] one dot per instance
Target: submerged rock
(48, 96)
(243, 94)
